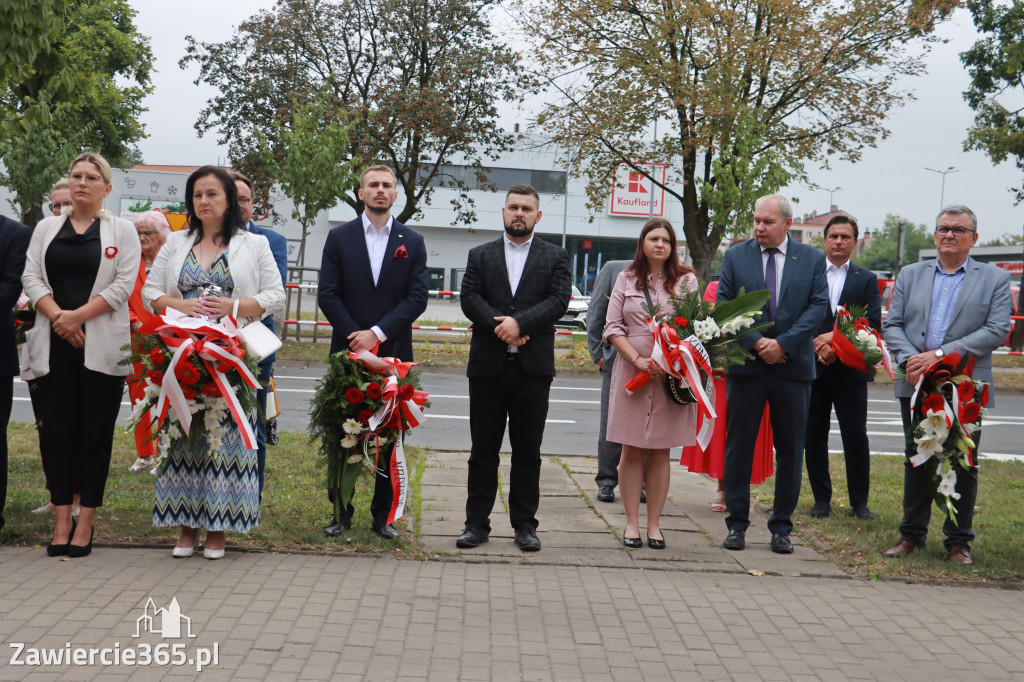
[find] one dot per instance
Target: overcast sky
(927, 132)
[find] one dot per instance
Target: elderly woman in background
(647, 423)
(79, 274)
(211, 485)
(152, 228)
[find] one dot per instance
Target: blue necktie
(769, 279)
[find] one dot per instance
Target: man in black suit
(839, 385)
(373, 286)
(783, 367)
(14, 239)
(514, 290)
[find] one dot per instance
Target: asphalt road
(575, 408)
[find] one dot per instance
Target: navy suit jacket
(860, 288)
(14, 239)
(278, 247)
(802, 304)
(352, 302)
(541, 298)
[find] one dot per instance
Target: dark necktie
(770, 280)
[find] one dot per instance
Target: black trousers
(745, 400)
(79, 411)
(608, 454)
(918, 500)
(6, 399)
(522, 400)
(851, 403)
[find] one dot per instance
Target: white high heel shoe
(213, 553)
(186, 552)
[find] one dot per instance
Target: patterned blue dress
(202, 488)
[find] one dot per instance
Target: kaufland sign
(631, 192)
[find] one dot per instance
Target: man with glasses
(952, 304)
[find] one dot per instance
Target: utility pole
(943, 173)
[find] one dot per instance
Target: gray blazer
(598, 309)
(980, 321)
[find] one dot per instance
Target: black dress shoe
(820, 510)
(385, 530)
(781, 543)
(337, 527)
(862, 512)
(606, 493)
(77, 551)
(471, 537)
(632, 543)
(735, 540)
(526, 539)
(655, 543)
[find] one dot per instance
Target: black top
(72, 261)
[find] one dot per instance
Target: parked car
(576, 315)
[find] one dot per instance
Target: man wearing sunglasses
(952, 304)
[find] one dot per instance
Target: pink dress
(646, 419)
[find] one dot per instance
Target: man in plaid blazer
(514, 290)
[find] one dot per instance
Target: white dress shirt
(780, 262)
(515, 261)
(836, 281)
(377, 247)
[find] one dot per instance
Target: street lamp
(830, 193)
(943, 173)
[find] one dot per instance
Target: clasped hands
(917, 364)
(508, 331)
(68, 325)
(770, 350)
(210, 306)
(823, 349)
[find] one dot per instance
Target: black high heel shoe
(654, 543)
(76, 551)
(61, 550)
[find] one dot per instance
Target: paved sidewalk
(581, 608)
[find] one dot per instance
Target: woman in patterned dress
(201, 272)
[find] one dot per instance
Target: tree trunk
(31, 215)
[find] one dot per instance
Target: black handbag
(678, 390)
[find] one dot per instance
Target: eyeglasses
(56, 207)
(146, 233)
(945, 230)
(244, 202)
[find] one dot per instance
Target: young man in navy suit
(783, 367)
(278, 247)
(839, 385)
(373, 286)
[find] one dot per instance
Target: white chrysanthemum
(354, 459)
(349, 442)
(706, 329)
(352, 427)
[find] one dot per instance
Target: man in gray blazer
(603, 356)
(953, 304)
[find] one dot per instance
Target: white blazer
(107, 333)
(252, 265)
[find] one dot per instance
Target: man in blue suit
(278, 247)
(783, 367)
(839, 385)
(951, 304)
(373, 286)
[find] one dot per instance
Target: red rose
(210, 389)
(970, 412)
(364, 417)
(190, 393)
(984, 396)
(187, 374)
(155, 377)
(157, 356)
(681, 321)
(406, 392)
(354, 396)
(966, 390)
(373, 390)
(400, 252)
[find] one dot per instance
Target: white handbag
(255, 336)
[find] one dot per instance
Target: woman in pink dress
(711, 461)
(647, 423)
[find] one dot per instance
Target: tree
(881, 254)
(419, 80)
(309, 161)
(996, 66)
(743, 94)
(27, 27)
(1006, 239)
(83, 90)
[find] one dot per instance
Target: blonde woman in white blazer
(79, 273)
(211, 485)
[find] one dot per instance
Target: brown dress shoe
(901, 548)
(961, 555)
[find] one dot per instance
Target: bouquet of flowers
(696, 337)
(364, 403)
(857, 344)
(24, 319)
(193, 367)
(947, 407)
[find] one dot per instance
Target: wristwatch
(939, 353)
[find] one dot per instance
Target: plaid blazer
(540, 300)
